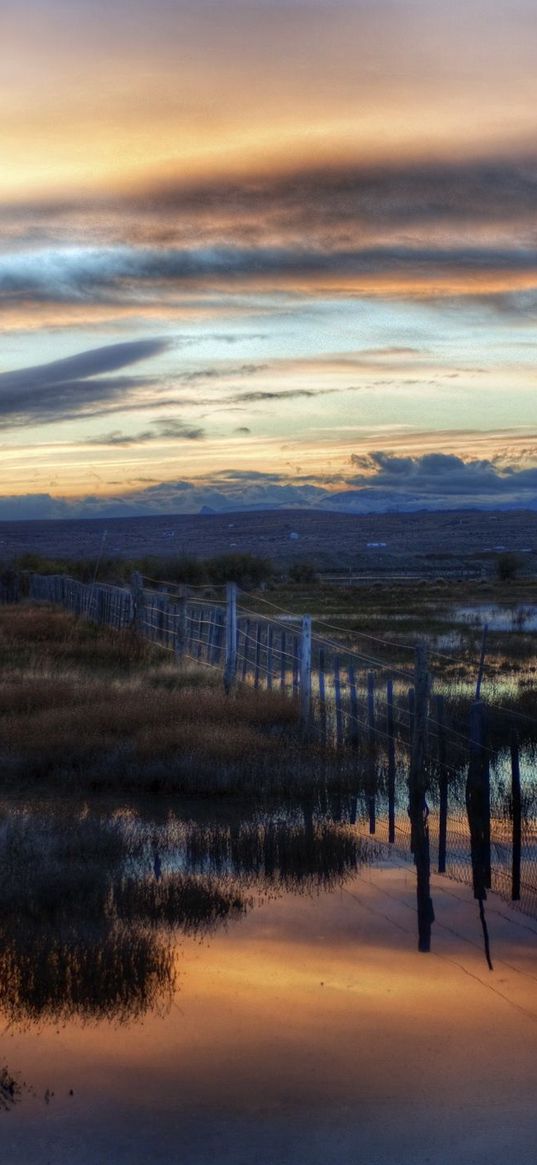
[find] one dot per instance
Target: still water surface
(185, 985)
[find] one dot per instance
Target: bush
(245, 569)
(302, 572)
(507, 566)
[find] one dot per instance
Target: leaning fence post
(230, 669)
(305, 670)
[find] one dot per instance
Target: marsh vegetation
(81, 706)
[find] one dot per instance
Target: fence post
(517, 816)
(391, 760)
(418, 811)
(354, 735)
(305, 670)
(443, 786)
(230, 669)
(180, 626)
(478, 801)
(137, 592)
(478, 810)
(322, 699)
(283, 665)
(99, 606)
(270, 664)
(371, 753)
(337, 697)
(257, 655)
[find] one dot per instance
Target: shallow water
(188, 985)
(497, 616)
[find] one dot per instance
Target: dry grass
(83, 704)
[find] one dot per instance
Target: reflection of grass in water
(87, 929)
(78, 936)
(179, 900)
(10, 1089)
(116, 975)
(289, 855)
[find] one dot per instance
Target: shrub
(507, 566)
(302, 572)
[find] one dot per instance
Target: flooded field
(193, 982)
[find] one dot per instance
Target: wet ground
(185, 986)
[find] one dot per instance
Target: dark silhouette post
(371, 753)
(418, 811)
(478, 810)
(517, 816)
(391, 760)
(137, 592)
(181, 625)
(443, 786)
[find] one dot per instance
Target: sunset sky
(267, 252)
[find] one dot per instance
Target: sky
(267, 253)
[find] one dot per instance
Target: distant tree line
(248, 570)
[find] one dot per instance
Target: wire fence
(355, 703)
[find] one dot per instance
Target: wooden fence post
(442, 785)
(418, 811)
(137, 592)
(180, 635)
(270, 662)
(322, 698)
(339, 708)
(478, 801)
(230, 669)
(245, 648)
(296, 663)
(305, 671)
(517, 816)
(371, 753)
(354, 733)
(99, 601)
(258, 645)
(283, 664)
(391, 760)
(478, 810)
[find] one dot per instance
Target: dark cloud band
(124, 276)
(75, 385)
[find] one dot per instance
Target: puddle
(519, 617)
(185, 983)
